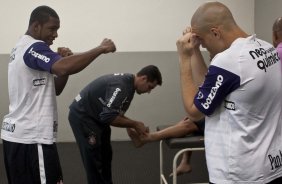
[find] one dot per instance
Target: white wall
(134, 25)
(266, 12)
(145, 32)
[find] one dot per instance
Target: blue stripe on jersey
(218, 84)
(39, 56)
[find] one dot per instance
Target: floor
(130, 165)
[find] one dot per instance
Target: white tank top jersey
(32, 116)
(242, 100)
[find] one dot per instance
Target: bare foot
(135, 138)
(182, 169)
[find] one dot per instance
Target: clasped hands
(187, 43)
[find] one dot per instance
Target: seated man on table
(185, 126)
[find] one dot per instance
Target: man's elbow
(194, 114)
(195, 118)
(59, 69)
(59, 72)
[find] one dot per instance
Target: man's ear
(36, 26)
(216, 32)
(144, 77)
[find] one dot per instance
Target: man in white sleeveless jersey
(36, 75)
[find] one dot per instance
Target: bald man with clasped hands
(240, 97)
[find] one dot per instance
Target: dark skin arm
(75, 63)
(60, 82)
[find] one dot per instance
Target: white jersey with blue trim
(32, 116)
(241, 97)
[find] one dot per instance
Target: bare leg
(184, 166)
(180, 129)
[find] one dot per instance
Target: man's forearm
(188, 89)
(60, 83)
(75, 63)
(123, 122)
(199, 67)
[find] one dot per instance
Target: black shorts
(32, 163)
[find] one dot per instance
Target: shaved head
(212, 14)
(215, 27)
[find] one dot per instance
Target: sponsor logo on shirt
(10, 127)
(115, 74)
(115, 93)
(200, 95)
(275, 160)
(123, 103)
(266, 58)
(213, 92)
(77, 98)
(13, 55)
(39, 82)
(229, 105)
(92, 139)
(39, 56)
(55, 126)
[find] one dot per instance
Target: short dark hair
(42, 14)
(152, 72)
